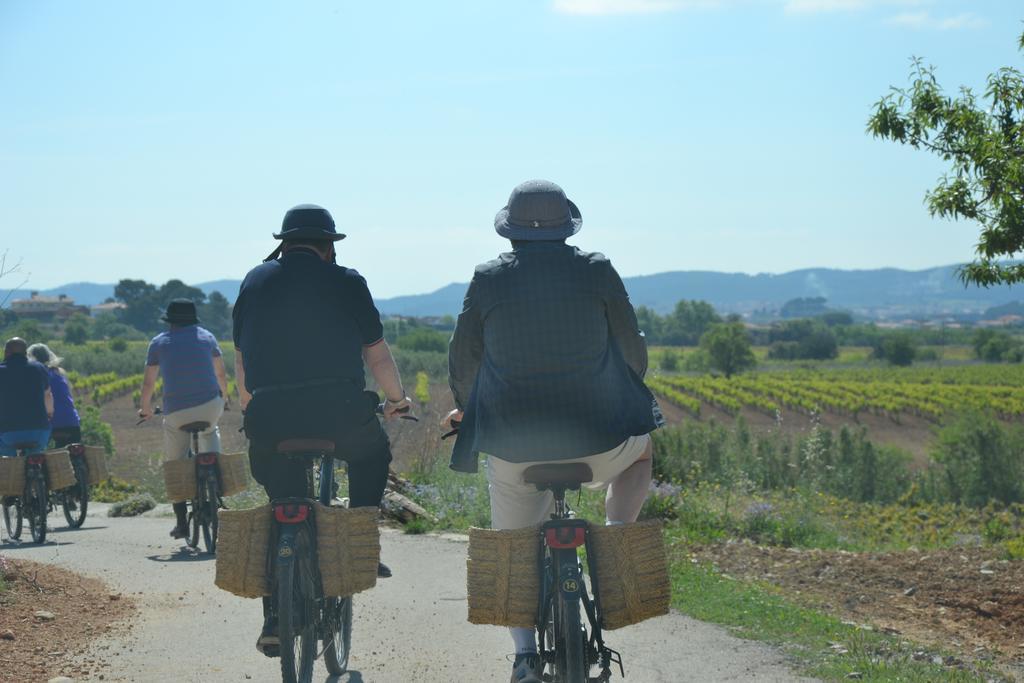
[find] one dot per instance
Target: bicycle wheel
(570, 638)
(338, 635)
(36, 508)
(296, 600)
(13, 517)
(209, 515)
(192, 540)
(75, 500)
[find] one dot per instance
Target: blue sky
(157, 140)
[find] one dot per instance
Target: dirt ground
(966, 598)
(48, 616)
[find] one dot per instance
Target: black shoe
(179, 531)
(383, 571)
(527, 668)
(269, 643)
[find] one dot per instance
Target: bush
(423, 339)
(95, 431)
(113, 490)
(980, 460)
(118, 345)
(669, 361)
(899, 348)
(132, 507)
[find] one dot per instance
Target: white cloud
(817, 6)
(606, 7)
(925, 21)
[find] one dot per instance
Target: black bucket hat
(308, 222)
(538, 210)
(180, 312)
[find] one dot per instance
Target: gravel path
(412, 627)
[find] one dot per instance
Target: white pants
(516, 504)
(177, 442)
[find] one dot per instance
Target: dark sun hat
(538, 210)
(308, 222)
(180, 312)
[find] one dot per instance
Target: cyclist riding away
(26, 403)
(66, 424)
(299, 299)
(546, 365)
(189, 360)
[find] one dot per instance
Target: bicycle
(74, 500)
(202, 515)
(306, 617)
(34, 503)
(566, 650)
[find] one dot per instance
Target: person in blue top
(66, 425)
(189, 360)
(26, 404)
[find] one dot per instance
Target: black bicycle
(34, 502)
(202, 514)
(74, 500)
(569, 647)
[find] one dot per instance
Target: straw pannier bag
(632, 572)
(348, 547)
(59, 469)
(502, 577)
(96, 461)
(180, 479)
(242, 539)
(12, 476)
(234, 477)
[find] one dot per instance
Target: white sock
(525, 640)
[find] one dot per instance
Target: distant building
(47, 308)
(107, 307)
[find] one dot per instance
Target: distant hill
(884, 292)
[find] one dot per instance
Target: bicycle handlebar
(156, 412)
(455, 430)
(403, 414)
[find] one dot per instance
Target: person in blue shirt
(26, 404)
(189, 360)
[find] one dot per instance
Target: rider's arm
(382, 366)
(48, 401)
(466, 349)
(148, 385)
(222, 375)
(624, 328)
(243, 396)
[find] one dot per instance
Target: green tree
(76, 333)
(688, 322)
(423, 339)
(899, 348)
(984, 142)
(215, 315)
(728, 346)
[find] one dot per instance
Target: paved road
(410, 628)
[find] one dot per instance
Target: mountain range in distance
(879, 293)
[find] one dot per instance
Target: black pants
(62, 436)
(343, 416)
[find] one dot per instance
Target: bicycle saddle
(305, 446)
(568, 476)
(195, 427)
(26, 445)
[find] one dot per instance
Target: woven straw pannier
(180, 479)
(234, 477)
(12, 476)
(242, 539)
(59, 468)
(96, 461)
(632, 572)
(348, 547)
(502, 577)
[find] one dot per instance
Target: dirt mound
(48, 616)
(967, 598)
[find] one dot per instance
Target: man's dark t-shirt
(23, 385)
(301, 319)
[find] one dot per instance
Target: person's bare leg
(628, 491)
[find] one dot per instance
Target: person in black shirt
(299, 299)
(26, 404)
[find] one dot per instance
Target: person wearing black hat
(304, 328)
(547, 365)
(189, 359)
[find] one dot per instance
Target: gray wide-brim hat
(538, 210)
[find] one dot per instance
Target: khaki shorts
(177, 442)
(516, 504)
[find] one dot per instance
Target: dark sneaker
(527, 669)
(383, 571)
(269, 643)
(179, 531)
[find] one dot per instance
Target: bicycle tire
(296, 597)
(338, 636)
(569, 631)
(209, 515)
(36, 509)
(192, 522)
(79, 494)
(13, 519)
